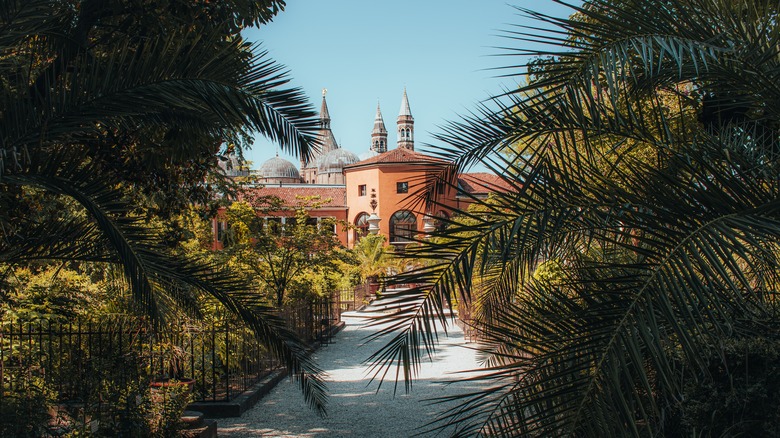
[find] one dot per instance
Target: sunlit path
(355, 408)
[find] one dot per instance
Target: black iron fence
(86, 362)
(356, 297)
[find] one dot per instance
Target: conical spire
(405, 125)
(379, 122)
(324, 114)
(405, 110)
(379, 134)
(326, 142)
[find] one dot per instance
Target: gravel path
(355, 408)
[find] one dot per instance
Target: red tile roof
(482, 183)
(398, 155)
(289, 194)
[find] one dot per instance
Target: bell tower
(379, 134)
(326, 142)
(405, 125)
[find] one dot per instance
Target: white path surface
(355, 408)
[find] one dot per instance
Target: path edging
(251, 396)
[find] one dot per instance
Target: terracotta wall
(385, 179)
(338, 213)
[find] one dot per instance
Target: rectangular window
(335, 225)
(362, 190)
(221, 227)
(273, 226)
(402, 187)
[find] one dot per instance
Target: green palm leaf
(643, 167)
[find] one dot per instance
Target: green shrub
(741, 395)
(25, 407)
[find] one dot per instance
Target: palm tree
(106, 103)
(642, 153)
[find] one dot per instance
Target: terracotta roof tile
(289, 194)
(398, 155)
(482, 183)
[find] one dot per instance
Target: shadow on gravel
(357, 408)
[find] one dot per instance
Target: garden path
(356, 408)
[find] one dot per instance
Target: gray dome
(335, 160)
(278, 168)
(368, 154)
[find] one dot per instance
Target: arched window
(403, 227)
(361, 223)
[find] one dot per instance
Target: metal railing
(357, 297)
(83, 360)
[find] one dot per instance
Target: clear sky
(364, 51)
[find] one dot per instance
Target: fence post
(227, 360)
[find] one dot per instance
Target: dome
(368, 154)
(278, 168)
(335, 160)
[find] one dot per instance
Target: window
(402, 187)
(273, 225)
(221, 228)
(362, 190)
(403, 227)
(361, 223)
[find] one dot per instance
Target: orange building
(389, 179)
(381, 183)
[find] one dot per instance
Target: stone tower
(326, 143)
(405, 125)
(379, 134)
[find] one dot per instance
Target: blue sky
(364, 51)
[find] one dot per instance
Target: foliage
(291, 260)
(168, 405)
(113, 114)
(739, 397)
(643, 165)
(54, 293)
(24, 409)
(372, 258)
(130, 410)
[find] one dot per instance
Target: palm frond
(155, 278)
(644, 168)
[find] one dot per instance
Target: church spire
(379, 134)
(324, 114)
(405, 125)
(405, 110)
(326, 142)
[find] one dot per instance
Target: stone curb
(250, 397)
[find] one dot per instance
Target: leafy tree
(113, 113)
(372, 257)
(618, 282)
(287, 258)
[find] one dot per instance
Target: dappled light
(357, 406)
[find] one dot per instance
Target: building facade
(382, 182)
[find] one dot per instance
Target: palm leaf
(662, 258)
